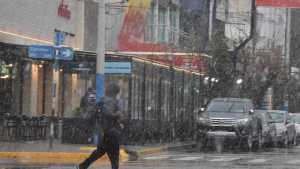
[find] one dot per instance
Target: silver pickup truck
(229, 119)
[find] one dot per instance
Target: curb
(57, 157)
(159, 149)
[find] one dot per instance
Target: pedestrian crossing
(249, 159)
(188, 158)
(257, 161)
(225, 159)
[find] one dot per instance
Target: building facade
(35, 23)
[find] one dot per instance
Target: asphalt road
(267, 159)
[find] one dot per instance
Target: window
(173, 25)
(218, 106)
(150, 25)
(162, 25)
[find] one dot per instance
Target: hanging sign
(64, 11)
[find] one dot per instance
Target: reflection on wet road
(270, 159)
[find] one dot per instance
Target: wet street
(268, 159)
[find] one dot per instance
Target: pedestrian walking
(108, 123)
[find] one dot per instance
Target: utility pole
(287, 66)
(252, 32)
(58, 40)
(100, 50)
(212, 15)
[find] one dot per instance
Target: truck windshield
(219, 106)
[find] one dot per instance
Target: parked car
(230, 118)
(268, 128)
(296, 120)
(285, 128)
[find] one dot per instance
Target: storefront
(27, 83)
(157, 94)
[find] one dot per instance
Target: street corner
(57, 157)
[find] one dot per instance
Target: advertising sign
(279, 3)
(65, 53)
(118, 67)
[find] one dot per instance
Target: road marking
(161, 157)
(226, 159)
(188, 158)
(262, 160)
(293, 162)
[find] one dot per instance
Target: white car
(296, 120)
(285, 128)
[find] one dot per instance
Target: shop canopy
(193, 62)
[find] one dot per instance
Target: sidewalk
(39, 152)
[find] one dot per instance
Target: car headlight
(242, 121)
(202, 120)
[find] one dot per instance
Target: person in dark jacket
(108, 123)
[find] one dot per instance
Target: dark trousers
(110, 145)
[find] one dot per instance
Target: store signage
(279, 3)
(64, 53)
(40, 52)
(50, 52)
(118, 67)
(63, 10)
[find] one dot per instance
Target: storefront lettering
(63, 10)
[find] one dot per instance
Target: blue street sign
(40, 52)
(118, 67)
(59, 38)
(64, 53)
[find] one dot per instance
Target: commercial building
(35, 23)
(159, 76)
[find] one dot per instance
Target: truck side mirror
(251, 112)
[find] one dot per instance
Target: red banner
(279, 3)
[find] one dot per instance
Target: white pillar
(100, 49)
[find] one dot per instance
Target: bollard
(60, 128)
(51, 134)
